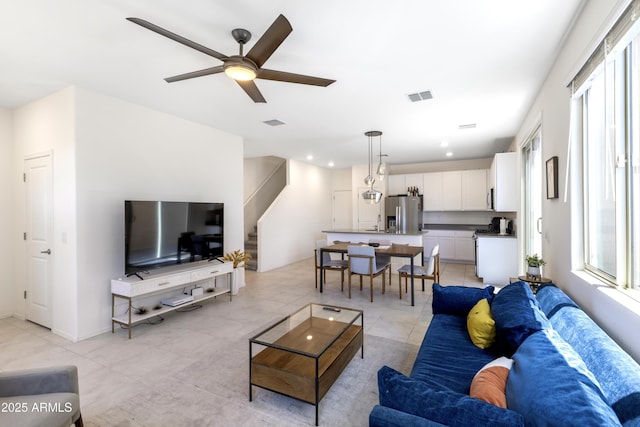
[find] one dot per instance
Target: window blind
(619, 34)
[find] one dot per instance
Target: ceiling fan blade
(252, 90)
(193, 74)
(270, 40)
(173, 36)
(283, 76)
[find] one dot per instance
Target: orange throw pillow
(490, 383)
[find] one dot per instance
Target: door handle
(48, 252)
(538, 225)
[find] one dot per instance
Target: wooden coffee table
(302, 355)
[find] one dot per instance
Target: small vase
(533, 271)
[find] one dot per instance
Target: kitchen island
(364, 236)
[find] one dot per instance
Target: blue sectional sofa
(566, 371)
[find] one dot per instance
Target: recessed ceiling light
(449, 154)
(309, 157)
(331, 164)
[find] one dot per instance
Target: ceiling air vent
(273, 122)
(420, 96)
(467, 126)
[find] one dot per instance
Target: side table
(534, 282)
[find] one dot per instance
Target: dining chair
(430, 272)
(362, 262)
(329, 264)
(382, 259)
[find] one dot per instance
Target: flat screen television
(159, 234)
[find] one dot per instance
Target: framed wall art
(552, 178)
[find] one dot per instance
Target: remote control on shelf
(334, 309)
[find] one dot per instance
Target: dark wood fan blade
(252, 90)
(270, 40)
(193, 74)
(173, 36)
(283, 76)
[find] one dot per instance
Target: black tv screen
(159, 234)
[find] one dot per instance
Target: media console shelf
(199, 274)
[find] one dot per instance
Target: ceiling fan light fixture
(240, 72)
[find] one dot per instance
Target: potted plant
(239, 260)
(534, 262)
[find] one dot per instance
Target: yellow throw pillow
(480, 324)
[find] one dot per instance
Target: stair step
(253, 235)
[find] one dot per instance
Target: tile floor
(113, 370)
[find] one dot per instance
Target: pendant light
(382, 166)
(372, 195)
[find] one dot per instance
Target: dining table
(400, 251)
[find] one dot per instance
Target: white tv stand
(201, 273)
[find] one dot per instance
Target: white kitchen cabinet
(415, 180)
(457, 246)
(497, 259)
(432, 193)
(398, 184)
(464, 246)
(474, 190)
(505, 182)
(452, 191)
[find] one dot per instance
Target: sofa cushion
(549, 384)
(551, 299)
(617, 373)
(490, 383)
(517, 315)
(447, 407)
(480, 324)
(447, 358)
(458, 299)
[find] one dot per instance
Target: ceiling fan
(243, 68)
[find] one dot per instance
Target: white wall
(47, 125)
(615, 312)
(256, 170)
(289, 228)
(105, 151)
(7, 228)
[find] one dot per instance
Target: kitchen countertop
(502, 236)
(470, 227)
(381, 232)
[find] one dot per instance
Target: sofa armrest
(59, 379)
(381, 416)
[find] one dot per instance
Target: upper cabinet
(503, 180)
(398, 184)
(455, 190)
(432, 194)
(474, 190)
(395, 185)
(451, 191)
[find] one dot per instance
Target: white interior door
(342, 210)
(39, 230)
(367, 213)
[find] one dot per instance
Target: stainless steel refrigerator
(404, 214)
